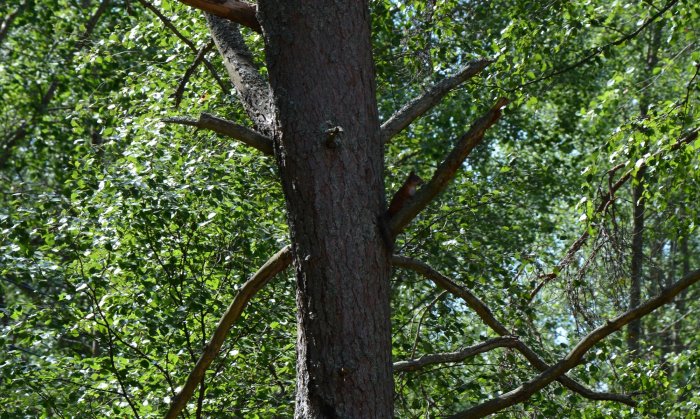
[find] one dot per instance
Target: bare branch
(447, 169)
(606, 200)
(575, 356)
(458, 356)
(486, 315)
(276, 264)
(235, 11)
(420, 105)
(253, 89)
(190, 70)
(228, 129)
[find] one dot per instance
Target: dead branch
(276, 264)
(253, 89)
(228, 129)
(458, 356)
(420, 105)
(606, 199)
(447, 169)
(486, 315)
(180, 91)
(235, 11)
(575, 356)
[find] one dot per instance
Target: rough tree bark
(329, 152)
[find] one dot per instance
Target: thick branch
(228, 129)
(447, 169)
(420, 105)
(458, 356)
(235, 11)
(276, 264)
(575, 356)
(253, 89)
(486, 315)
(605, 201)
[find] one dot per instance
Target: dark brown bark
(423, 103)
(228, 129)
(253, 90)
(329, 152)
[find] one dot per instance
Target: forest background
(164, 249)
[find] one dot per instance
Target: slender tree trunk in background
(330, 157)
(678, 345)
(634, 330)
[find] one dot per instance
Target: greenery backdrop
(123, 238)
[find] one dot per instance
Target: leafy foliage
(123, 239)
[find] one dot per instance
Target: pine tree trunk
(329, 153)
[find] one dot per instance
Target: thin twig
(190, 70)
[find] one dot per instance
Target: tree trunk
(634, 330)
(330, 157)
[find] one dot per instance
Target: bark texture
(328, 148)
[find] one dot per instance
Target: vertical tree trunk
(634, 330)
(330, 157)
(678, 345)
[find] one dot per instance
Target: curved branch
(253, 89)
(575, 356)
(447, 169)
(235, 11)
(606, 199)
(276, 264)
(461, 355)
(486, 315)
(420, 105)
(228, 129)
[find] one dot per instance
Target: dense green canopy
(124, 236)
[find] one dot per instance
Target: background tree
(126, 234)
